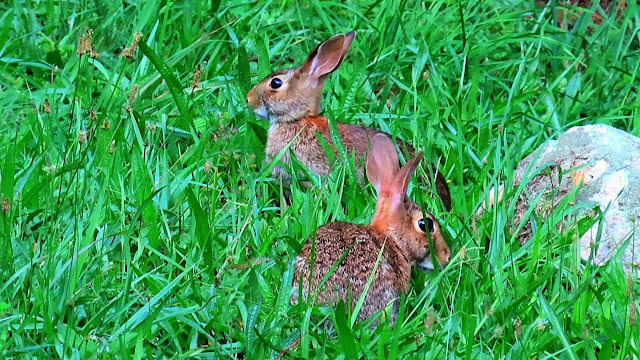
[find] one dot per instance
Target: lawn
(139, 218)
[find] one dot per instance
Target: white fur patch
(261, 113)
(426, 264)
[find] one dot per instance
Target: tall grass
(139, 219)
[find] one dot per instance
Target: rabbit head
(293, 94)
(396, 215)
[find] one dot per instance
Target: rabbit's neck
(280, 114)
(394, 236)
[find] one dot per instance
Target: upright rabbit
(398, 227)
(290, 99)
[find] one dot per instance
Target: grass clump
(138, 219)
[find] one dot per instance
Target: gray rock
(599, 166)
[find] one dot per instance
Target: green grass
(162, 235)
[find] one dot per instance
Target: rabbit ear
(390, 182)
(327, 56)
(401, 181)
(382, 164)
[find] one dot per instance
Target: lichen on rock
(598, 165)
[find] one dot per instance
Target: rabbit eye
(275, 83)
(423, 225)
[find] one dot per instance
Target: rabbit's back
(362, 246)
(304, 137)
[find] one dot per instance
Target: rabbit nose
(251, 98)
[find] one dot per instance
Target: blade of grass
(175, 87)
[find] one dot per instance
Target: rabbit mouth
(426, 264)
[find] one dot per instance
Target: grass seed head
(6, 206)
(463, 253)
(498, 332)
(129, 52)
(429, 321)
(85, 44)
(195, 81)
(49, 169)
(517, 327)
(585, 331)
(541, 325)
(133, 93)
(488, 310)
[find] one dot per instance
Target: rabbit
(290, 100)
(398, 225)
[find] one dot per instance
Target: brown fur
(293, 109)
(394, 226)
(307, 148)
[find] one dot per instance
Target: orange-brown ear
(401, 181)
(384, 174)
(327, 56)
(382, 164)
